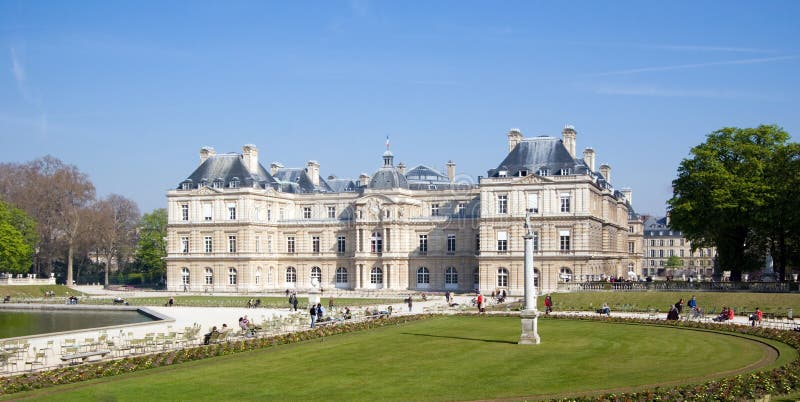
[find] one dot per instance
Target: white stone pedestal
(530, 328)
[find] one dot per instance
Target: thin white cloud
(656, 91)
(17, 68)
(692, 66)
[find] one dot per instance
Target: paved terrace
(184, 327)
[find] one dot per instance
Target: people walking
(548, 305)
(479, 302)
(313, 313)
(409, 303)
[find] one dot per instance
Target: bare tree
(54, 194)
(114, 229)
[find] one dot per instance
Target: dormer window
(565, 172)
(522, 173)
(186, 185)
(234, 183)
(502, 173)
(218, 183)
(544, 172)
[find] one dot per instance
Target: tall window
(502, 204)
(269, 214)
(185, 276)
(434, 209)
(564, 202)
(290, 244)
(671, 242)
(209, 276)
(502, 241)
(423, 276)
(451, 243)
(316, 272)
(423, 244)
(565, 275)
(291, 275)
(315, 244)
(376, 276)
(502, 278)
(331, 212)
(477, 243)
(231, 244)
(681, 252)
(232, 212)
(475, 278)
(306, 212)
(536, 278)
(258, 244)
(207, 208)
(269, 243)
(451, 276)
(652, 253)
(231, 276)
(563, 236)
(281, 213)
(184, 244)
(341, 244)
(208, 244)
(631, 247)
(341, 275)
(376, 242)
(652, 243)
(461, 210)
(258, 275)
(535, 240)
(533, 203)
(184, 212)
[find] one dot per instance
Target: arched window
(231, 276)
(291, 275)
(185, 276)
(209, 276)
(565, 275)
(316, 273)
(423, 276)
(258, 275)
(376, 276)
(450, 276)
(502, 278)
(341, 275)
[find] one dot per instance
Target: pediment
(205, 190)
(532, 179)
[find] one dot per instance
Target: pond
(15, 323)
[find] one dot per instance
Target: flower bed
(72, 374)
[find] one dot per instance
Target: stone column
(529, 316)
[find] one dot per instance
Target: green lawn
(36, 291)
(445, 358)
(776, 303)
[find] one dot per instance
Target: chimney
(588, 157)
(668, 219)
(568, 138)
(628, 193)
(605, 170)
(205, 153)
(451, 170)
(250, 158)
(312, 168)
(402, 168)
(514, 138)
(274, 167)
(363, 179)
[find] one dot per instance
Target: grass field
(446, 358)
(775, 303)
(239, 301)
(35, 291)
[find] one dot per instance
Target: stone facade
(236, 227)
(662, 242)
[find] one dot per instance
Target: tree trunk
(69, 264)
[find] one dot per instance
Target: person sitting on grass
(347, 315)
(606, 310)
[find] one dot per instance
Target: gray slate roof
(535, 154)
(297, 180)
(425, 174)
(228, 167)
(388, 177)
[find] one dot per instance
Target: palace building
(235, 226)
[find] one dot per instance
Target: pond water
(15, 323)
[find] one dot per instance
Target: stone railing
(678, 286)
(26, 279)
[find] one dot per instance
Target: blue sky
(130, 91)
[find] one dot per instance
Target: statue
(769, 274)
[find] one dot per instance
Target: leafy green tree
(674, 262)
(723, 195)
(151, 247)
(17, 239)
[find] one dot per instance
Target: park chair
(48, 348)
(7, 361)
(39, 359)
